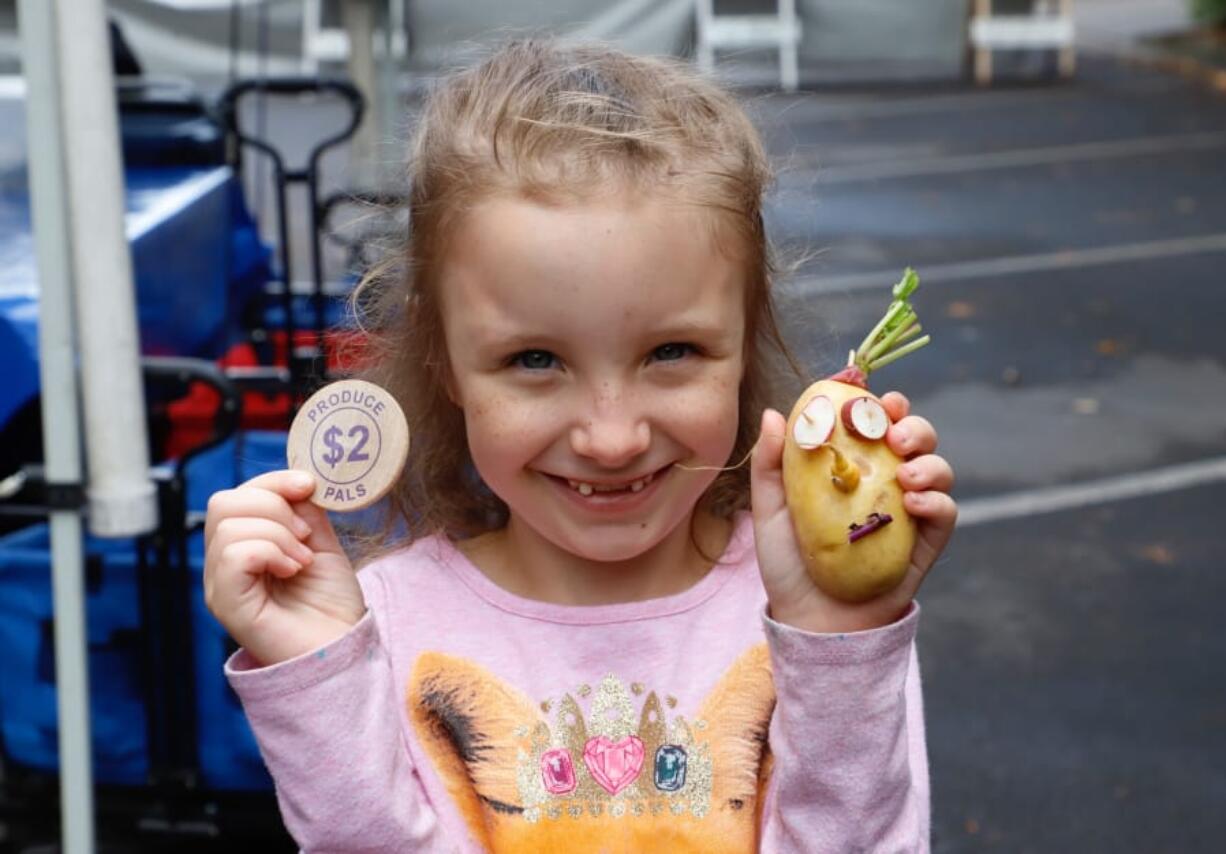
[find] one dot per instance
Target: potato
(840, 478)
(822, 512)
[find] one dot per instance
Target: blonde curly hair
(542, 120)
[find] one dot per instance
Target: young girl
(588, 644)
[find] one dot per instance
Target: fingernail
(301, 528)
(302, 480)
(303, 554)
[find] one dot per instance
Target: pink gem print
(558, 771)
(614, 764)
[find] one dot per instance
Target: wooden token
(352, 437)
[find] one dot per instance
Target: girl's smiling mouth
(586, 488)
(611, 494)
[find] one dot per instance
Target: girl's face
(593, 347)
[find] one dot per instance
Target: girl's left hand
(926, 480)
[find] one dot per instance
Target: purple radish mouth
(874, 522)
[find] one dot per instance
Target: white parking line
(811, 111)
(1036, 502)
(816, 109)
(1011, 159)
(12, 87)
(988, 268)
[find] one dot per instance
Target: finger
(242, 564)
(766, 468)
(230, 578)
(322, 537)
(248, 502)
(938, 515)
(937, 509)
(926, 472)
(896, 405)
(268, 495)
(293, 484)
(239, 528)
(296, 487)
(911, 436)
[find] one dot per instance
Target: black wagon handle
(238, 137)
(289, 87)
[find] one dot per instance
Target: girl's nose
(611, 436)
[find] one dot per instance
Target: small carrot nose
(844, 474)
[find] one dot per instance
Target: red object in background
(193, 415)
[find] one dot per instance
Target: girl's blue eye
(671, 352)
(534, 360)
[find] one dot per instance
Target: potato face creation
(839, 476)
(825, 506)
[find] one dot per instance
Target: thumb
(766, 468)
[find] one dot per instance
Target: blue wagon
(172, 753)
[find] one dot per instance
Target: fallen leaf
(972, 826)
(960, 310)
(1109, 346)
(1086, 406)
(1158, 553)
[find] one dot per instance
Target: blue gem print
(670, 768)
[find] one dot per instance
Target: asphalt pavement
(1069, 238)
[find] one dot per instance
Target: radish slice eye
(815, 424)
(865, 417)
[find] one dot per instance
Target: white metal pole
(789, 65)
(61, 438)
(122, 500)
(705, 49)
(359, 20)
(386, 120)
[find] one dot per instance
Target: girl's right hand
(274, 572)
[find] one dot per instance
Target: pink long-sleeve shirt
(456, 716)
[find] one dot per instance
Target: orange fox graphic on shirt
(604, 768)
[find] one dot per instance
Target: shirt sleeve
(328, 727)
(850, 762)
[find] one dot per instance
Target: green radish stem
(885, 344)
(891, 338)
(895, 355)
(912, 330)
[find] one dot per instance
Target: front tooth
(637, 486)
(585, 489)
